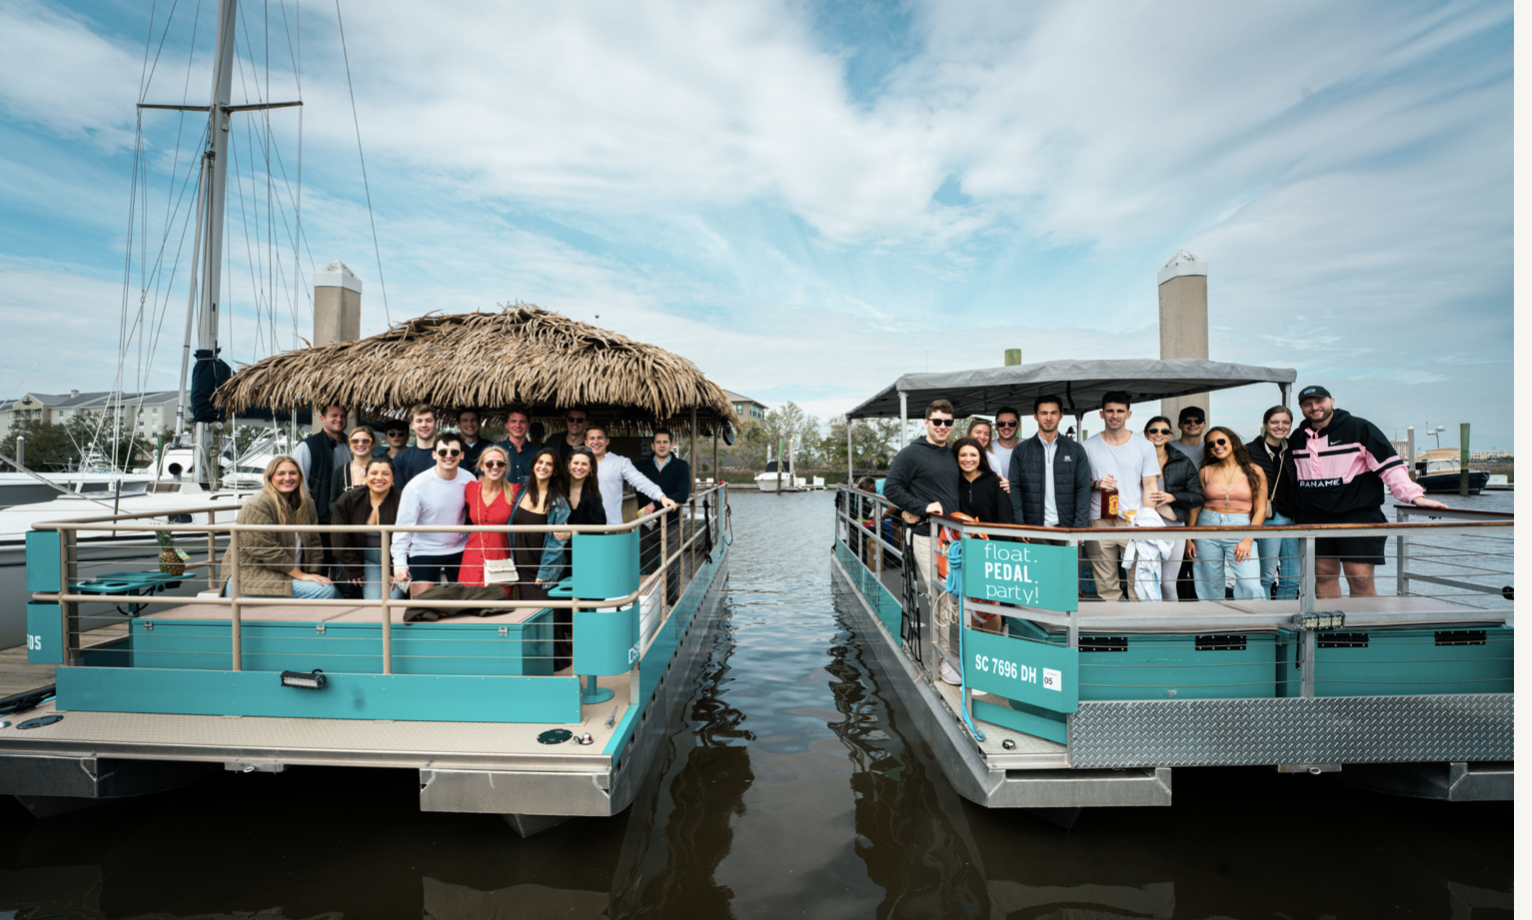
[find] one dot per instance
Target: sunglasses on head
(1159, 431)
(449, 452)
(941, 422)
(493, 464)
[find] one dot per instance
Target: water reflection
(795, 786)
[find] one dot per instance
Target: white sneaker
(950, 675)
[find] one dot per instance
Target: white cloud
(55, 71)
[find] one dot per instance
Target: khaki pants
(1106, 562)
(944, 618)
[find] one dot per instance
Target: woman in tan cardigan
(272, 563)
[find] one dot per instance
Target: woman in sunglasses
(491, 502)
(354, 473)
(1234, 495)
(1179, 493)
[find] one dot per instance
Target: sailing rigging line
(345, 55)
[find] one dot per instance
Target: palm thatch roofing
(523, 356)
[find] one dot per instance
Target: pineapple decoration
(172, 559)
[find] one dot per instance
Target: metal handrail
(70, 529)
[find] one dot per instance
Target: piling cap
(1314, 392)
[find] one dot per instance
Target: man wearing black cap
(1337, 465)
(1191, 423)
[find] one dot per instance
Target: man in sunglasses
(434, 498)
(396, 433)
(1192, 422)
(1007, 436)
(519, 447)
(575, 421)
(420, 456)
(923, 480)
(1337, 465)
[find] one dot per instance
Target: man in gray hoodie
(923, 480)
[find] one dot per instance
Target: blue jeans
(307, 590)
(1212, 554)
(1279, 561)
(372, 577)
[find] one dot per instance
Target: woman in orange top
(1234, 495)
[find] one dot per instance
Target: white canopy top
(1080, 384)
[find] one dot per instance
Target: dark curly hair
(1241, 456)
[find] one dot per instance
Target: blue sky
(806, 199)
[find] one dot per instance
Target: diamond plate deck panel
(1214, 733)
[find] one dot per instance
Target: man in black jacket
(674, 477)
(923, 480)
(1050, 475)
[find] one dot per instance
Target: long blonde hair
(289, 510)
(507, 488)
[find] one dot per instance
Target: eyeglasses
(1006, 424)
(492, 464)
(1159, 431)
(1219, 442)
(941, 422)
(448, 452)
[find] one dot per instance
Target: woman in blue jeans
(1279, 555)
(272, 563)
(1234, 495)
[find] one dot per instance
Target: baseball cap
(1192, 412)
(1314, 393)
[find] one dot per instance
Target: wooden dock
(18, 676)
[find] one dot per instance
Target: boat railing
(1452, 583)
(214, 628)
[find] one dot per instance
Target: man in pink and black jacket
(1337, 466)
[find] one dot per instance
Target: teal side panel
(406, 697)
(605, 565)
(1407, 662)
(1158, 667)
(605, 641)
(45, 627)
(1036, 673)
(42, 561)
(890, 611)
(453, 648)
(662, 649)
(1037, 723)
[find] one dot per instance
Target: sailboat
(189, 476)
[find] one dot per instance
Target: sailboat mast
(215, 171)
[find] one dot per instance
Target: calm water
(795, 788)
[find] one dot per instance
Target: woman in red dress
(491, 500)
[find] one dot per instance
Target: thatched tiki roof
(522, 356)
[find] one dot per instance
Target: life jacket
(948, 536)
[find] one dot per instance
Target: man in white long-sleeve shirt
(433, 499)
(612, 470)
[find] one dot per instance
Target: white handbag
(500, 571)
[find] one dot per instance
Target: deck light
(1330, 619)
(304, 680)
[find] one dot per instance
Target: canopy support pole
(691, 440)
(850, 471)
(716, 476)
(1287, 392)
(904, 416)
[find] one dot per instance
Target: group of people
(1331, 468)
(343, 478)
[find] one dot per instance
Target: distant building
(143, 414)
(746, 408)
(1480, 455)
